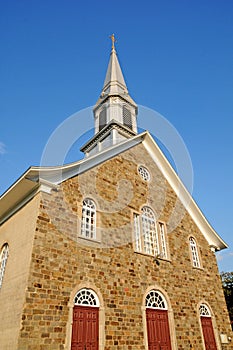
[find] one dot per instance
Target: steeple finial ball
(113, 40)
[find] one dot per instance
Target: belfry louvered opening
(127, 117)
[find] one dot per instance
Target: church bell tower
(115, 112)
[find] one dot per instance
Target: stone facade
(62, 262)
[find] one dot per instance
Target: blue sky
(177, 58)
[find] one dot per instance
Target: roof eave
(190, 205)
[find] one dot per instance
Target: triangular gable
(44, 178)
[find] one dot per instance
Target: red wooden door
(208, 333)
(85, 330)
(158, 330)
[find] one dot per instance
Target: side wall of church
(18, 233)
(63, 262)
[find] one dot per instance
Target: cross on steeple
(113, 40)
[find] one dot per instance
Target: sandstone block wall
(62, 262)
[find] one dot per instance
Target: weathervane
(113, 40)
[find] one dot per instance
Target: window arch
(150, 236)
(88, 226)
(3, 260)
(204, 310)
(155, 300)
(86, 297)
(194, 252)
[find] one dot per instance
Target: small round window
(144, 173)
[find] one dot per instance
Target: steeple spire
(114, 83)
(115, 112)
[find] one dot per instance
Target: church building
(111, 251)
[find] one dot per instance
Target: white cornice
(101, 134)
(46, 186)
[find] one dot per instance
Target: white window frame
(163, 240)
(194, 252)
(88, 222)
(137, 233)
(155, 300)
(204, 311)
(3, 260)
(86, 297)
(149, 236)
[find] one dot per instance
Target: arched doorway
(207, 327)
(158, 333)
(85, 327)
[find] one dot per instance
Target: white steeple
(114, 81)
(115, 112)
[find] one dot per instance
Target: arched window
(88, 226)
(3, 259)
(155, 300)
(194, 252)
(86, 297)
(150, 236)
(204, 310)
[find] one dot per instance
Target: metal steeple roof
(114, 80)
(114, 83)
